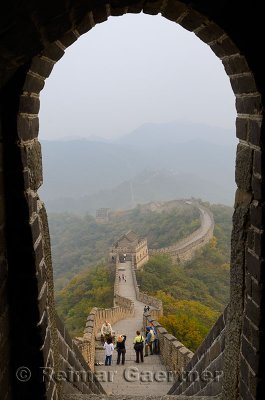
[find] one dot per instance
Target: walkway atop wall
(206, 224)
(147, 378)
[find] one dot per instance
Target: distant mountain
(176, 132)
(148, 186)
(83, 175)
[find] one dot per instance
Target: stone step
(131, 397)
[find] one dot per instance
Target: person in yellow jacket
(139, 346)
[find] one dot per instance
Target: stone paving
(147, 378)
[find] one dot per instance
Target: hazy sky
(131, 70)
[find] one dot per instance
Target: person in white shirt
(109, 348)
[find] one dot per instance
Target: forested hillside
(80, 242)
(195, 294)
(88, 289)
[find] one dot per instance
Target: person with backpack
(155, 342)
(139, 346)
(150, 337)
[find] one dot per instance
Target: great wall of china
(174, 358)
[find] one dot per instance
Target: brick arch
(247, 230)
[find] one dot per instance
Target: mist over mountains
(154, 162)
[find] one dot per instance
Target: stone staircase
(149, 377)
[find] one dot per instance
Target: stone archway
(27, 237)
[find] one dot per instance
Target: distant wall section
(185, 249)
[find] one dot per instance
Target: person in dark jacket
(120, 346)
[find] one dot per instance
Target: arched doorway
(26, 230)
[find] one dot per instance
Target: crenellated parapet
(175, 356)
(203, 375)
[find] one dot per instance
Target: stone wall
(5, 384)
(184, 250)
(75, 375)
(203, 375)
(95, 319)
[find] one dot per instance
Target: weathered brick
(257, 188)
(41, 66)
(173, 10)
(242, 128)
(35, 229)
(152, 7)
(224, 47)
(62, 348)
(27, 128)
(258, 244)
(100, 14)
(235, 65)
(31, 157)
(249, 105)
(244, 370)
(193, 20)
(253, 312)
(244, 391)
(253, 385)
(257, 215)
(33, 84)
(116, 11)
(249, 353)
(244, 167)
(254, 266)
(32, 203)
(53, 52)
(256, 292)
(210, 33)
(251, 239)
(243, 84)
(29, 105)
(254, 132)
(136, 7)
(68, 39)
(39, 253)
(43, 299)
(215, 350)
(257, 163)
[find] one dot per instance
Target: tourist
(109, 348)
(149, 341)
(106, 331)
(139, 346)
(120, 346)
(155, 342)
